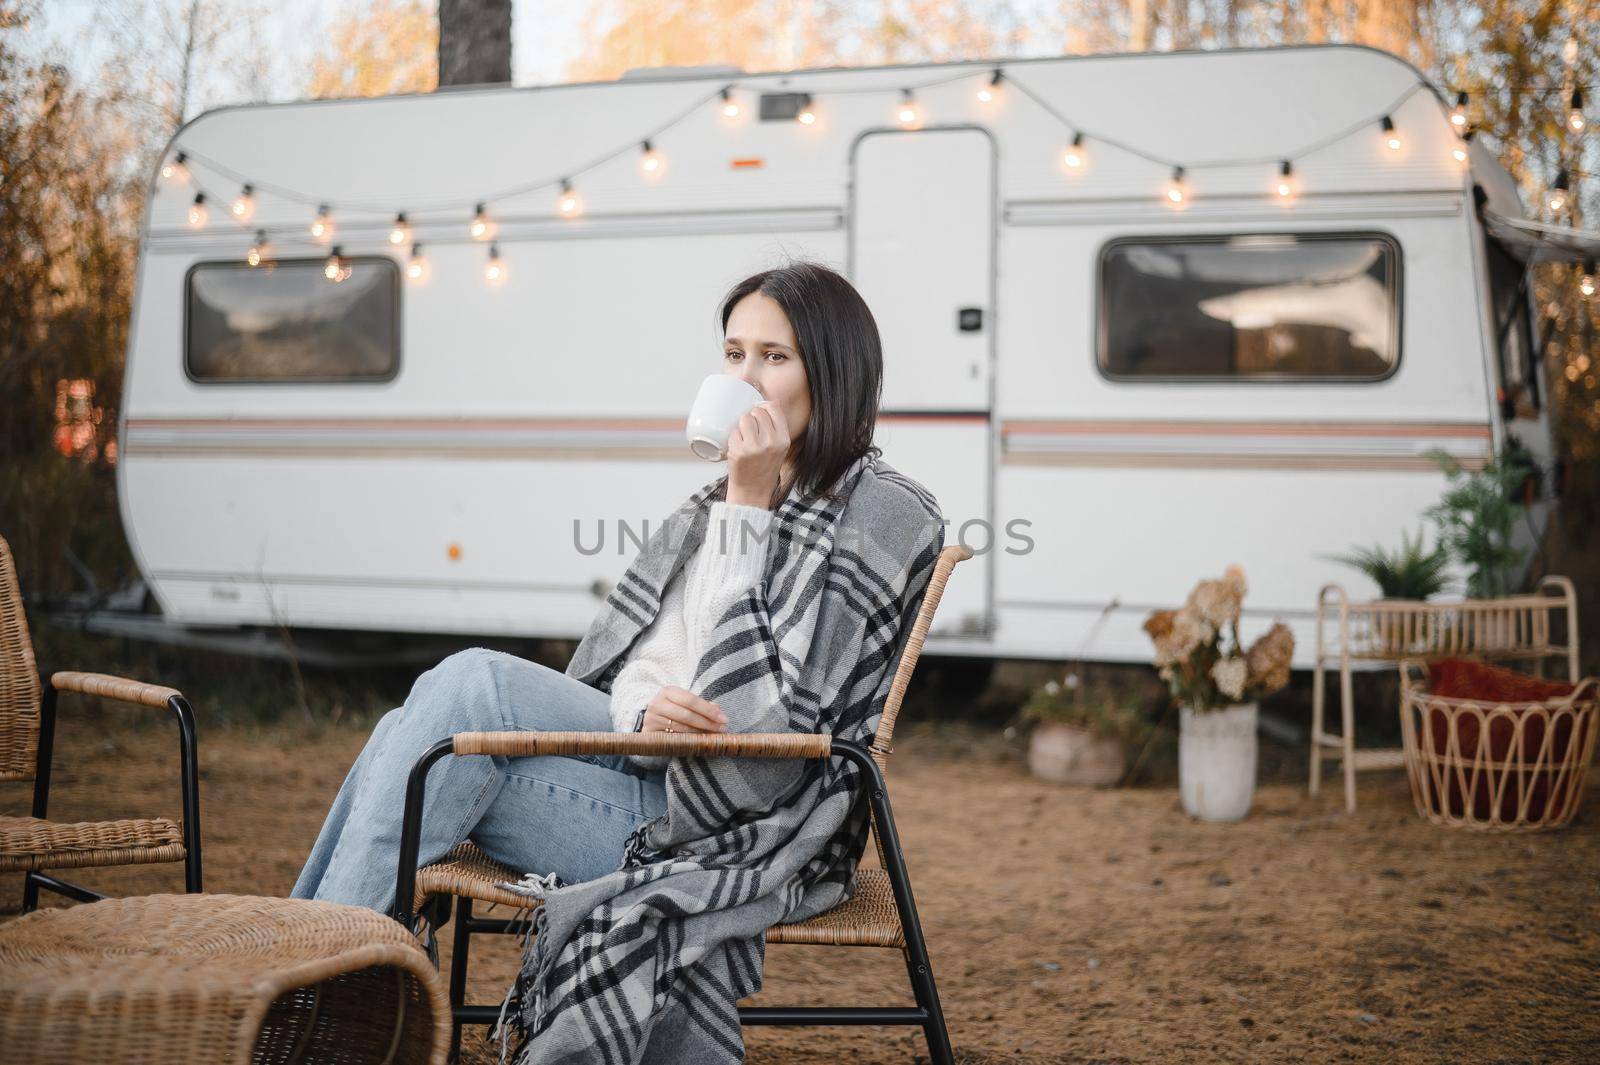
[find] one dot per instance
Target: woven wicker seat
(27, 738)
(467, 872)
(872, 917)
(868, 920)
(31, 843)
(217, 978)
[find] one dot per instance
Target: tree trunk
(474, 42)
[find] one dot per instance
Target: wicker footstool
(217, 978)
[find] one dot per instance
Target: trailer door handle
(969, 319)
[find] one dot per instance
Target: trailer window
(1508, 280)
(1260, 306)
(284, 321)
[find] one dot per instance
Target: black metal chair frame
(926, 1014)
(189, 773)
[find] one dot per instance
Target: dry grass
(1063, 924)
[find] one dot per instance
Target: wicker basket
(1511, 766)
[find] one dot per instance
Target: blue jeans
(568, 815)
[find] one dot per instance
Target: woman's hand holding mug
(676, 709)
(757, 447)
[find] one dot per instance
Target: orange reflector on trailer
(753, 163)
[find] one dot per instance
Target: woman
(802, 336)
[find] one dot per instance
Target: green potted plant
(1408, 573)
(1081, 734)
(1477, 513)
(1411, 574)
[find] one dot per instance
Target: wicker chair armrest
(672, 744)
(120, 688)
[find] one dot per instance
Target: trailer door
(922, 236)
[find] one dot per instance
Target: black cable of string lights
(997, 74)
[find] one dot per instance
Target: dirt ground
(1063, 924)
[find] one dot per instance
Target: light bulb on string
(730, 106)
(1391, 136)
(482, 227)
(258, 249)
(336, 269)
(1073, 156)
(494, 271)
(908, 112)
(176, 169)
(400, 232)
(807, 115)
(417, 265)
(1458, 114)
(1177, 189)
(568, 204)
(1586, 281)
(1558, 194)
(1575, 120)
(322, 225)
(1286, 183)
(1458, 151)
(989, 91)
(244, 205)
(197, 211)
(650, 161)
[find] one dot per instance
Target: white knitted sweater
(728, 562)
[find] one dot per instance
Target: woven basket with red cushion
(1509, 703)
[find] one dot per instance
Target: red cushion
(1467, 678)
(1487, 685)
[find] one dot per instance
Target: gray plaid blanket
(648, 963)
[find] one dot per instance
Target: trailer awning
(1539, 242)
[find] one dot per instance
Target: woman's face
(760, 347)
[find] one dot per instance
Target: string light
(1072, 158)
(1558, 193)
(1391, 136)
(417, 265)
(1286, 182)
(568, 204)
(494, 271)
(649, 160)
(909, 112)
(244, 205)
(175, 169)
(322, 225)
(989, 92)
(1177, 189)
(1586, 282)
(336, 269)
(482, 228)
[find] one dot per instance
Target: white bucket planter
(1217, 761)
(1073, 755)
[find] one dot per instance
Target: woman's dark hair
(843, 357)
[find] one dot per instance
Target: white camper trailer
(1117, 377)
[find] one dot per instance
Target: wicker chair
(882, 913)
(27, 736)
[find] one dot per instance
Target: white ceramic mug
(722, 400)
